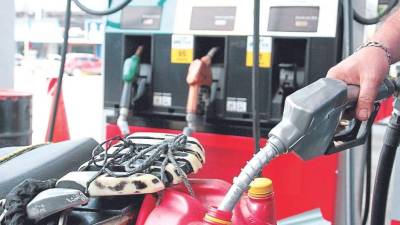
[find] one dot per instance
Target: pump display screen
(293, 19)
(141, 17)
(213, 18)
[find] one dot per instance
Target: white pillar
(7, 43)
(350, 183)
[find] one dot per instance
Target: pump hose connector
(241, 183)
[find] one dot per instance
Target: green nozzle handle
(131, 66)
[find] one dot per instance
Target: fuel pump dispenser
(292, 55)
(146, 23)
(226, 25)
(305, 38)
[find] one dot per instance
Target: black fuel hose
(104, 12)
(374, 20)
(384, 171)
(65, 49)
(67, 26)
(368, 166)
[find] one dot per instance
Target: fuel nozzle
(199, 79)
(308, 127)
(129, 76)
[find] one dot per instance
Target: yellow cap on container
(260, 188)
(215, 220)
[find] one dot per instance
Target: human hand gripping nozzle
(311, 126)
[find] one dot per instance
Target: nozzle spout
(212, 52)
(139, 50)
(241, 183)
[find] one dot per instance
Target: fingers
(366, 98)
(335, 73)
(366, 68)
(345, 72)
(368, 87)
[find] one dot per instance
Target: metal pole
(255, 75)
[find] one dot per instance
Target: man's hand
(366, 68)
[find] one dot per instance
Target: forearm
(388, 34)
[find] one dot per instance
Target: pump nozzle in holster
(199, 79)
(310, 127)
(129, 76)
(291, 78)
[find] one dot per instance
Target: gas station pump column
(7, 44)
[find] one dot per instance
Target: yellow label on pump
(181, 55)
(264, 59)
(265, 52)
(182, 49)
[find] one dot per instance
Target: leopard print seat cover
(190, 159)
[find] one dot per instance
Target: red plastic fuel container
(256, 207)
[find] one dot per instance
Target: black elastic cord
(61, 71)
(128, 158)
(104, 12)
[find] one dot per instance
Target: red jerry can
(177, 207)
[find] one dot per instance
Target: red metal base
(299, 185)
